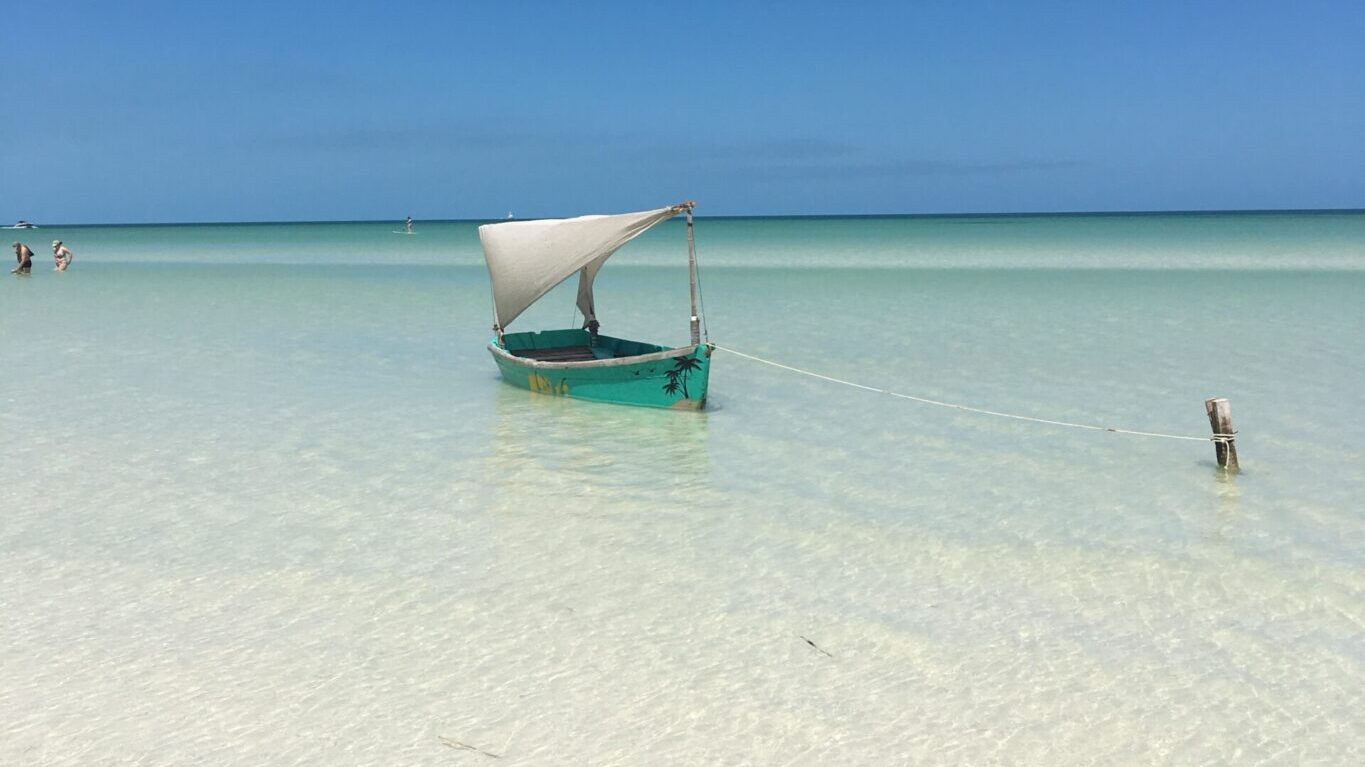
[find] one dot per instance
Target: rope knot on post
(1224, 435)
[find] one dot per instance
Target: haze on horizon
(261, 112)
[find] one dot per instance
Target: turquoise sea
(266, 501)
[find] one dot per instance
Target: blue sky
(144, 112)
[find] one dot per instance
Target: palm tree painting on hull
(677, 375)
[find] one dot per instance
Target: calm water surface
(266, 501)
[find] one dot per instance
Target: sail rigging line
(701, 294)
(981, 411)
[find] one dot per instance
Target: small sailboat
(526, 259)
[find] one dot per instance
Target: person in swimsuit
(61, 254)
(408, 225)
(25, 258)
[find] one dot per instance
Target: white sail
(528, 258)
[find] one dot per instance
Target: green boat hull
(572, 363)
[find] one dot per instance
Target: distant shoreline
(802, 216)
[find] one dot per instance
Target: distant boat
(526, 259)
(510, 216)
(22, 224)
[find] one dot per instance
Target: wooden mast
(692, 274)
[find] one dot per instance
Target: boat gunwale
(681, 351)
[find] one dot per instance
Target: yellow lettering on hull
(542, 385)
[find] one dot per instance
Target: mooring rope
(955, 406)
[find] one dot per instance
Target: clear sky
(239, 110)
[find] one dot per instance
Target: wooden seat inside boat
(558, 354)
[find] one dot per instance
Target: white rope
(954, 406)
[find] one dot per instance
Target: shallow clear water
(266, 501)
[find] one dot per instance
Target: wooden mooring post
(1225, 439)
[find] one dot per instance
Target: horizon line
(999, 214)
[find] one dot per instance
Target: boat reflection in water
(549, 452)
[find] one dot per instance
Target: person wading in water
(61, 254)
(25, 258)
